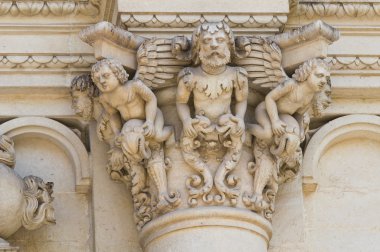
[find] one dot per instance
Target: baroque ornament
(47, 7)
(213, 127)
(212, 75)
(25, 202)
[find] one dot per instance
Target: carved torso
(125, 100)
(295, 101)
(212, 93)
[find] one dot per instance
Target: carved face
(214, 50)
(318, 78)
(105, 79)
(82, 104)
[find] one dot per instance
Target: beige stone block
(338, 165)
(72, 231)
(114, 228)
(202, 6)
(207, 229)
(288, 219)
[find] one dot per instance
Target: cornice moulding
(341, 63)
(44, 62)
(48, 7)
(112, 33)
(339, 9)
(193, 20)
(308, 32)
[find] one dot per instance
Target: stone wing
(262, 62)
(158, 62)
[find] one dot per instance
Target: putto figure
(212, 83)
(282, 122)
(292, 97)
(138, 127)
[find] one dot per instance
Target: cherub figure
(283, 121)
(212, 84)
(122, 101)
(292, 97)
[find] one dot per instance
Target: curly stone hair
(116, 68)
(212, 28)
(84, 83)
(304, 70)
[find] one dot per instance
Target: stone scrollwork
(129, 120)
(212, 74)
(24, 202)
(213, 127)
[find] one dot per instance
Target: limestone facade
(330, 203)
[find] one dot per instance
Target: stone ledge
(47, 7)
(206, 217)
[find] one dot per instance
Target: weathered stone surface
(330, 206)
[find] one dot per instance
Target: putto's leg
(263, 129)
(162, 133)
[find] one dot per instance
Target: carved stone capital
(211, 180)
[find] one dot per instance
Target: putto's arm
(114, 117)
(184, 89)
(274, 95)
(183, 94)
(241, 92)
(148, 96)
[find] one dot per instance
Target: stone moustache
(212, 75)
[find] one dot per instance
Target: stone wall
(330, 206)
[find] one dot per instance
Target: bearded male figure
(213, 84)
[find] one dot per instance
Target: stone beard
(215, 59)
(84, 107)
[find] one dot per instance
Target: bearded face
(214, 51)
(82, 104)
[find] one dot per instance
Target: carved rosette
(210, 164)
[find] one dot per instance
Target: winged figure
(213, 73)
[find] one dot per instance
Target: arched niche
(62, 136)
(338, 130)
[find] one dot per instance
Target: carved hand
(188, 128)
(240, 126)
(278, 127)
(148, 128)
